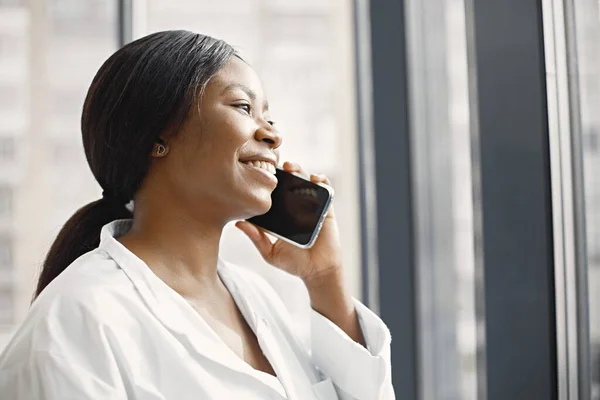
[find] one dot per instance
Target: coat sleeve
(358, 373)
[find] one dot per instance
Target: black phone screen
(298, 207)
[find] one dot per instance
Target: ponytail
(78, 236)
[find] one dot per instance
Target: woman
(138, 305)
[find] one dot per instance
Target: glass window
(6, 251)
(10, 95)
(7, 149)
(12, 2)
(303, 53)
(53, 49)
(6, 306)
(84, 18)
(9, 46)
(67, 153)
(6, 202)
(587, 72)
(440, 132)
(67, 102)
(590, 141)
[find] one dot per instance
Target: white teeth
(262, 165)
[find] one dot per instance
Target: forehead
(235, 74)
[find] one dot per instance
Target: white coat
(108, 328)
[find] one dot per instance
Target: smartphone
(298, 209)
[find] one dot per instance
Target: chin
(263, 206)
(254, 204)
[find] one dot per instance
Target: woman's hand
(315, 265)
(320, 267)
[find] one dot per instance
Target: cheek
(210, 163)
(210, 149)
(222, 147)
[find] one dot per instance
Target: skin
(199, 185)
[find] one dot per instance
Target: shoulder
(77, 309)
(93, 283)
(67, 341)
(92, 269)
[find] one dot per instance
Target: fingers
(319, 178)
(258, 237)
(322, 179)
(294, 168)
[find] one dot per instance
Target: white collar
(185, 323)
(180, 318)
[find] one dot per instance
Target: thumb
(258, 237)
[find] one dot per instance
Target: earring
(160, 150)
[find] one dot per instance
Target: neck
(181, 250)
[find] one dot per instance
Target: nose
(270, 135)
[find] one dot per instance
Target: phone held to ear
(298, 209)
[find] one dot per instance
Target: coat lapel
(167, 305)
(184, 323)
(274, 346)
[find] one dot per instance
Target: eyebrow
(246, 90)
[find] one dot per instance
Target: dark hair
(143, 89)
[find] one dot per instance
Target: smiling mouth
(265, 166)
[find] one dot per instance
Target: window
(68, 153)
(584, 57)
(84, 18)
(10, 97)
(445, 258)
(590, 141)
(7, 149)
(49, 54)
(12, 2)
(10, 46)
(7, 306)
(6, 202)
(6, 252)
(67, 103)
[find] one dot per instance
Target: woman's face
(209, 163)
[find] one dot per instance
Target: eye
(271, 123)
(244, 106)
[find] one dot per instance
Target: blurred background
(324, 68)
